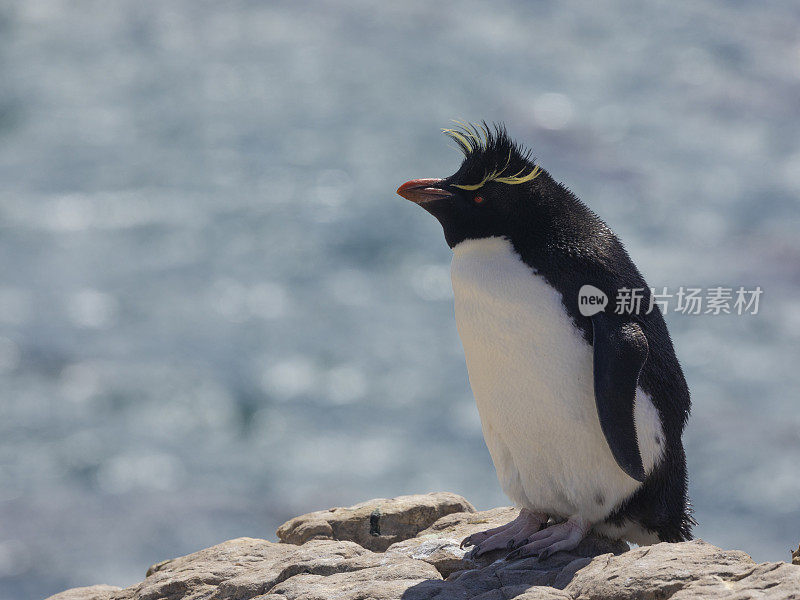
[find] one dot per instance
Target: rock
(796, 556)
(93, 592)
(246, 568)
(391, 580)
(693, 569)
(424, 562)
(375, 524)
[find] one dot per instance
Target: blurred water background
(215, 314)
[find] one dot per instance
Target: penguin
(582, 413)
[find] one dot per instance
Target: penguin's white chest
(531, 373)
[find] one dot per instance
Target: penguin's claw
(481, 536)
(514, 555)
(545, 554)
(516, 543)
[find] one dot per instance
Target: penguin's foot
(508, 536)
(548, 541)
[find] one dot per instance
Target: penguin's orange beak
(421, 191)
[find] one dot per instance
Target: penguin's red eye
(478, 199)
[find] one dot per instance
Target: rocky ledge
(408, 548)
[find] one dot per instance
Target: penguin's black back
(570, 247)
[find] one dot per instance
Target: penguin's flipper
(620, 351)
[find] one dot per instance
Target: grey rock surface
(428, 563)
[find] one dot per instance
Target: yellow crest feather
(473, 138)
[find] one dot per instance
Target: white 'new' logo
(591, 300)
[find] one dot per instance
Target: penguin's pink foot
(548, 541)
(508, 536)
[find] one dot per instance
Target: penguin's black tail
(686, 525)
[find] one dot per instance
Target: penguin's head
(491, 194)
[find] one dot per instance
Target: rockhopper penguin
(582, 415)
